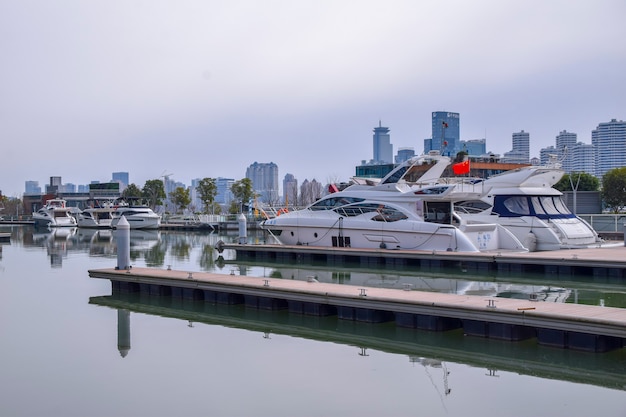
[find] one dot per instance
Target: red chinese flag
(461, 168)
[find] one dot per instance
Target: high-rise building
(32, 187)
(520, 154)
(54, 186)
(565, 142)
(474, 147)
(383, 149)
(582, 158)
(264, 177)
(122, 178)
(404, 154)
(609, 142)
(290, 190)
(445, 134)
(224, 195)
(547, 155)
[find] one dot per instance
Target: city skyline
(204, 89)
(520, 141)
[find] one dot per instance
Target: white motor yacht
(98, 216)
(361, 222)
(138, 217)
(522, 200)
(54, 213)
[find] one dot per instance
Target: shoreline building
(609, 143)
(383, 149)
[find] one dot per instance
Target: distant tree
(154, 191)
(11, 206)
(131, 192)
(460, 156)
(181, 199)
(234, 207)
(581, 181)
(243, 192)
(614, 189)
(207, 190)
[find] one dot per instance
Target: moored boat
(54, 213)
(138, 217)
(361, 222)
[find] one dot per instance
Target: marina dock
(568, 326)
(603, 263)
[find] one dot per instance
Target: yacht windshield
(384, 213)
(332, 202)
(544, 207)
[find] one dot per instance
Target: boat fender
(383, 245)
(530, 241)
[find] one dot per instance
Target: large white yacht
(138, 217)
(54, 213)
(389, 214)
(521, 200)
(524, 201)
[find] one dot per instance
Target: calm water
(71, 349)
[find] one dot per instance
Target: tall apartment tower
(582, 158)
(290, 190)
(547, 155)
(521, 145)
(224, 195)
(565, 143)
(264, 177)
(445, 134)
(383, 149)
(609, 142)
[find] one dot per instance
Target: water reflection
(431, 350)
(196, 251)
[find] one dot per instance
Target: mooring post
(123, 244)
(243, 229)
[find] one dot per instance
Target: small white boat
(138, 217)
(54, 214)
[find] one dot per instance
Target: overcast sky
(205, 88)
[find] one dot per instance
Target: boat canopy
(543, 207)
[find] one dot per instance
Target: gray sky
(205, 88)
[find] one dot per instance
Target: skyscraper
(224, 195)
(383, 149)
(122, 178)
(582, 158)
(290, 190)
(520, 153)
(565, 143)
(264, 177)
(446, 136)
(609, 142)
